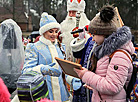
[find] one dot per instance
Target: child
(108, 77)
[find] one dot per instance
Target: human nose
(71, 14)
(93, 38)
(54, 33)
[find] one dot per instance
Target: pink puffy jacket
(109, 80)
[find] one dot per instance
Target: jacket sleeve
(77, 46)
(69, 79)
(114, 79)
(31, 59)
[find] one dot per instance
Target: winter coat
(43, 52)
(66, 28)
(111, 76)
(83, 52)
(4, 93)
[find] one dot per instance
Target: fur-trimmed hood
(118, 40)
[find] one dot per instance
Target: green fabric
(35, 81)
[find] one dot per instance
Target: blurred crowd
(29, 71)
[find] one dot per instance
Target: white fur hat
(76, 5)
(47, 22)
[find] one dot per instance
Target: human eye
(56, 31)
(92, 35)
(50, 31)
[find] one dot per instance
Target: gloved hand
(76, 83)
(49, 70)
(82, 34)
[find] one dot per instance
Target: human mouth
(52, 37)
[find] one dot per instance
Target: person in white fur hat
(73, 7)
(40, 57)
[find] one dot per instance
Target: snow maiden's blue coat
(42, 53)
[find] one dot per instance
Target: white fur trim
(72, 5)
(75, 6)
(37, 68)
(88, 63)
(46, 41)
(44, 14)
(87, 36)
(69, 79)
(49, 26)
(78, 45)
(55, 80)
(82, 6)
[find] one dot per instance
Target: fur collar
(113, 42)
(46, 41)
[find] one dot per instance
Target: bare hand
(80, 72)
(88, 87)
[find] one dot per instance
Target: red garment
(46, 100)
(37, 38)
(4, 93)
(22, 39)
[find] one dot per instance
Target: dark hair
(106, 36)
(54, 15)
(93, 65)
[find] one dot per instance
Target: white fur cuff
(77, 45)
(37, 68)
(69, 79)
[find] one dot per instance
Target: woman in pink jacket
(108, 77)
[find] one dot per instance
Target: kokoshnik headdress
(76, 5)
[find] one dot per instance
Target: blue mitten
(76, 83)
(49, 70)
